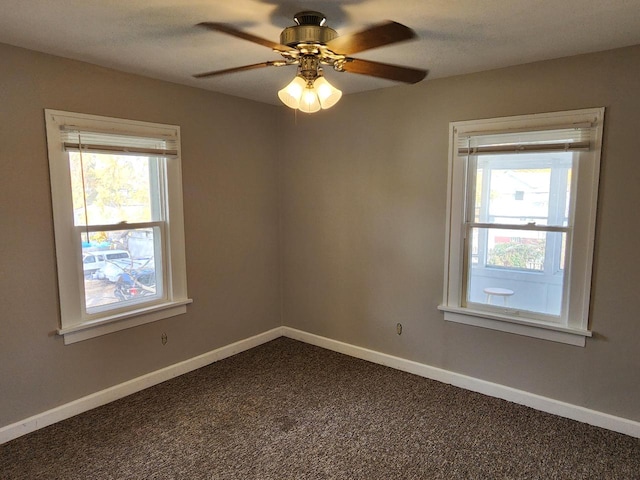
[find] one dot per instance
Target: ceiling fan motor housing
(310, 29)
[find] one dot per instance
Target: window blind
(558, 140)
(123, 144)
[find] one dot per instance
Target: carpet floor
(288, 410)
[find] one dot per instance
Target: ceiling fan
(310, 44)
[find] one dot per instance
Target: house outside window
(117, 202)
(521, 223)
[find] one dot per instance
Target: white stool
(505, 293)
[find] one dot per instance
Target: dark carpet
(287, 410)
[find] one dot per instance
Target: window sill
(114, 323)
(518, 326)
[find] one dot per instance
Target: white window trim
(579, 278)
(76, 325)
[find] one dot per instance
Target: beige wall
(363, 212)
(353, 225)
(231, 229)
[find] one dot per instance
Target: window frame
(573, 329)
(76, 323)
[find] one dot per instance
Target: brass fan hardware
(310, 44)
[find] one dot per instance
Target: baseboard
(116, 392)
(545, 404)
(538, 402)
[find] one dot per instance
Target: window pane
(515, 249)
(522, 269)
(523, 188)
(120, 268)
(109, 189)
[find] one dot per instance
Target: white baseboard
(538, 402)
(545, 404)
(116, 392)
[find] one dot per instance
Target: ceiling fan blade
(239, 69)
(229, 30)
(383, 34)
(384, 70)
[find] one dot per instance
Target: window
(117, 208)
(521, 223)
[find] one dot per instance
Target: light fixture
(327, 93)
(310, 95)
(291, 94)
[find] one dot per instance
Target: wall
(363, 218)
(358, 238)
(231, 229)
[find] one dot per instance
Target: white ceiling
(157, 38)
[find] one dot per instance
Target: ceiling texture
(159, 39)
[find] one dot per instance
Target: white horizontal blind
(123, 144)
(561, 139)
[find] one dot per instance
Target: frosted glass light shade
(327, 93)
(309, 103)
(292, 93)
(309, 97)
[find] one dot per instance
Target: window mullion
(520, 226)
(116, 226)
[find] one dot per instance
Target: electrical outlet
(164, 338)
(399, 328)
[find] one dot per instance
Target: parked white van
(94, 262)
